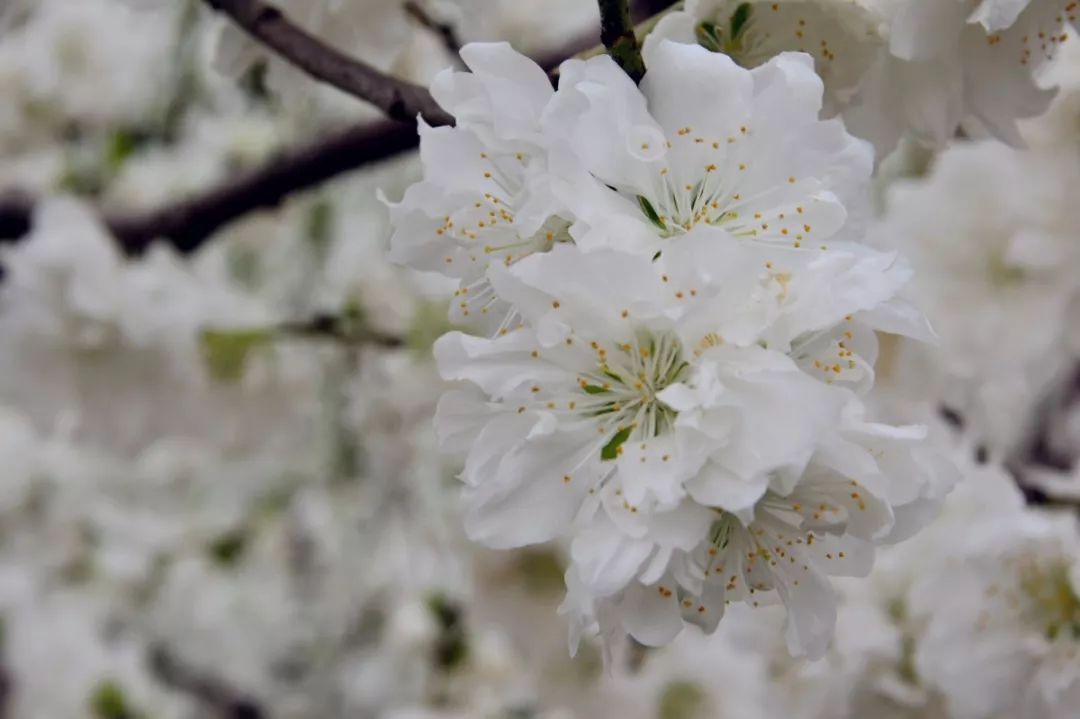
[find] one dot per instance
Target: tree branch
(400, 100)
(16, 209)
(343, 329)
(445, 30)
(186, 224)
(220, 698)
(617, 34)
(190, 222)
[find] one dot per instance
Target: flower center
(620, 392)
(676, 208)
(1050, 599)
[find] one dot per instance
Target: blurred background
(220, 494)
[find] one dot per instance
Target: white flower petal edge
(704, 142)
(949, 66)
(483, 198)
(842, 36)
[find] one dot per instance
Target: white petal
(650, 617)
(528, 499)
(715, 486)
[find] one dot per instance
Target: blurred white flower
(989, 235)
(842, 36)
(55, 68)
(954, 64)
(1006, 642)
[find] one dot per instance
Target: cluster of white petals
(604, 357)
(964, 65)
(924, 69)
(682, 328)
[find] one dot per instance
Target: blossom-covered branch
(400, 100)
(617, 34)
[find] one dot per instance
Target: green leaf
(611, 449)
(226, 352)
(739, 19)
(650, 212)
(683, 700)
(320, 225)
(120, 145)
(451, 648)
(107, 701)
(227, 549)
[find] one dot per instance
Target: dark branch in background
(445, 30)
(341, 329)
(617, 34)
(16, 208)
(6, 687)
(224, 701)
(188, 223)
(1038, 452)
(400, 100)
(645, 9)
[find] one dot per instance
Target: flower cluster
(923, 68)
(675, 327)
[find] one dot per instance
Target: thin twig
(445, 30)
(341, 329)
(225, 701)
(400, 100)
(617, 34)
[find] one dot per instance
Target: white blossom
(843, 36)
(953, 64)
(480, 201)
(692, 404)
(989, 234)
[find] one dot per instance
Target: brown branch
(343, 329)
(400, 100)
(186, 224)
